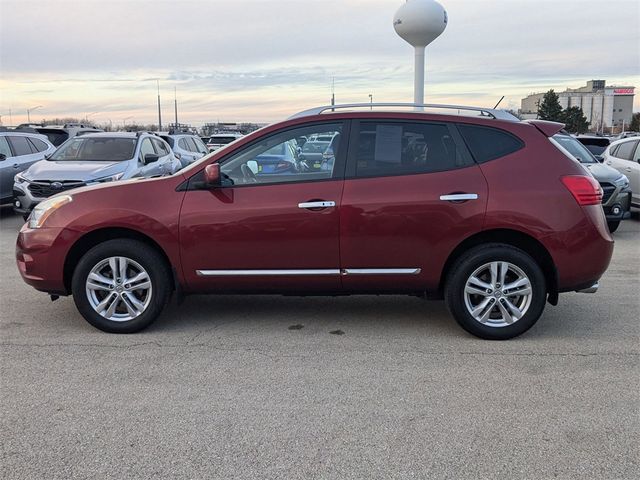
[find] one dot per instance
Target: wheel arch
(517, 239)
(100, 235)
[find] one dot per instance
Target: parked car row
(490, 213)
(32, 169)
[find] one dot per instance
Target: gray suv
(616, 192)
(91, 159)
(18, 151)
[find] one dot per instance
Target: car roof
(25, 134)
(624, 140)
(113, 135)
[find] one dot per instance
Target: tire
(138, 303)
(613, 225)
(478, 263)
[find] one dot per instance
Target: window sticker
(388, 143)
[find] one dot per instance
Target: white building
(604, 106)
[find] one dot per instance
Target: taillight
(586, 190)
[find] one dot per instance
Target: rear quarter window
(487, 143)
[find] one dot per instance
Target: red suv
(485, 211)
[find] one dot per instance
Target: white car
(624, 156)
(187, 147)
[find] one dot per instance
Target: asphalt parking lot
(221, 387)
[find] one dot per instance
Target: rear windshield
(595, 149)
(575, 148)
(57, 137)
(102, 149)
(221, 140)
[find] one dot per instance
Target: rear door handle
(459, 197)
(317, 204)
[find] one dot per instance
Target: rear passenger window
(182, 143)
(403, 148)
(625, 150)
(488, 143)
(38, 144)
(20, 146)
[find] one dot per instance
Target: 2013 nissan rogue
(483, 210)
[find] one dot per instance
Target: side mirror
(3, 157)
(150, 158)
(600, 158)
(212, 174)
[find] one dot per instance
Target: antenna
(499, 102)
(420, 22)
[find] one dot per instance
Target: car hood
(69, 170)
(603, 173)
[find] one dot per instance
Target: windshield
(103, 149)
(575, 148)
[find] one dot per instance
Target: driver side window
(299, 154)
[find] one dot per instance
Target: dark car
(616, 197)
(482, 210)
(595, 144)
(58, 134)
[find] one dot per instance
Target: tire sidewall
(141, 253)
(454, 290)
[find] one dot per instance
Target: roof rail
(491, 112)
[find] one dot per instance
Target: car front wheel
(121, 286)
(496, 291)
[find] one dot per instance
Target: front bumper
(23, 199)
(617, 206)
(40, 257)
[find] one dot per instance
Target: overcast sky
(251, 60)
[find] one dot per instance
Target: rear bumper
(592, 289)
(582, 254)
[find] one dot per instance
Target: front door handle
(459, 197)
(317, 204)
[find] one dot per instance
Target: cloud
(275, 55)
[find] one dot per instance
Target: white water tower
(420, 22)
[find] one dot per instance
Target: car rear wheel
(613, 225)
(121, 286)
(496, 291)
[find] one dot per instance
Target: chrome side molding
(328, 271)
(592, 289)
(381, 271)
(239, 273)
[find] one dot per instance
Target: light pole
(29, 110)
(124, 122)
(371, 101)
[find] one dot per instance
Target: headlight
(111, 178)
(623, 181)
(44, 209)
(19, 178)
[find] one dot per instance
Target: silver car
(186, 147)
(91, 159)
(18, 151)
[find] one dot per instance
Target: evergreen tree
(549, 108)
(574, 120)
(635, 123)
